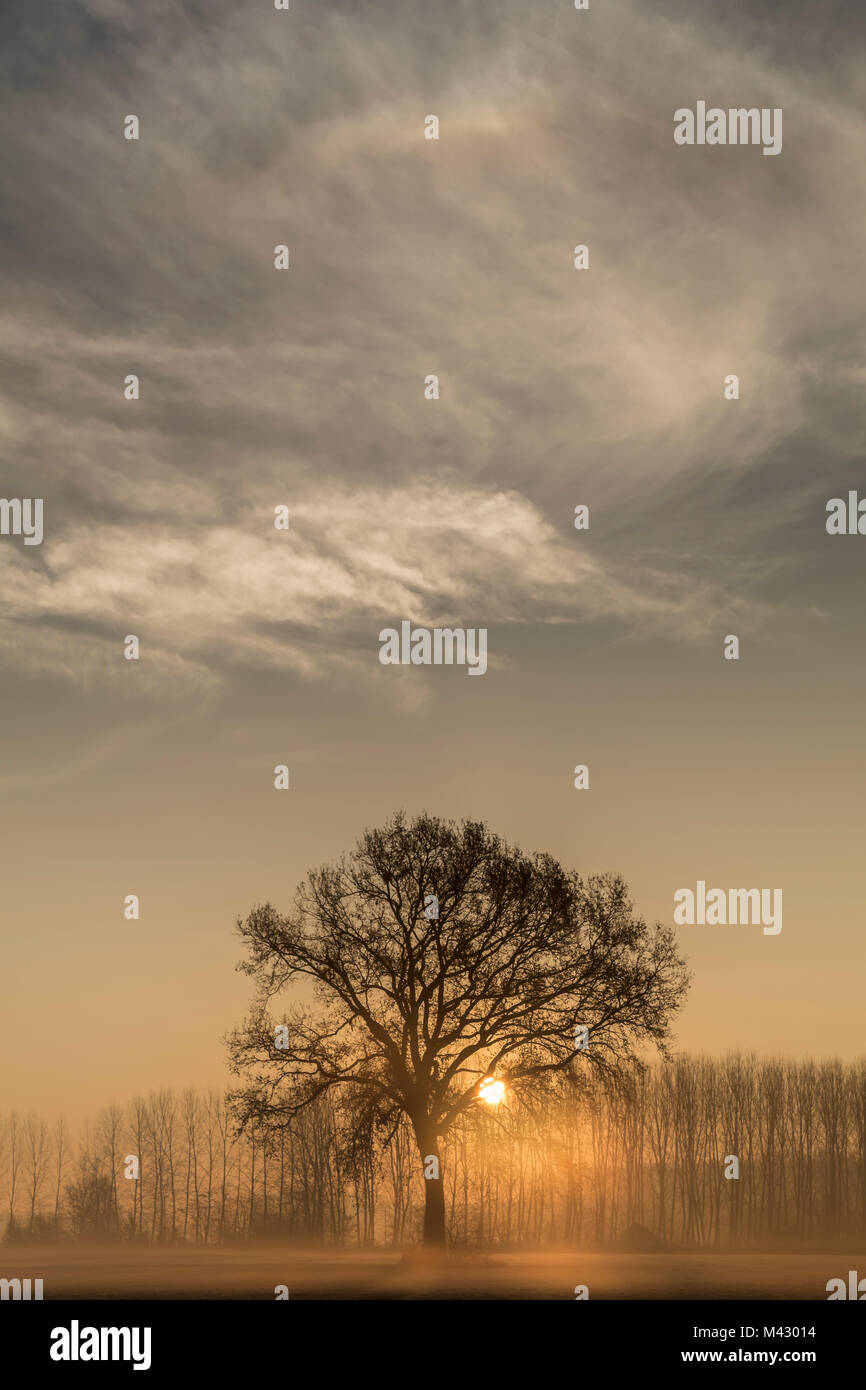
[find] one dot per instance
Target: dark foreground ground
(254, 1273)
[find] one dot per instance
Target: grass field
(254, 1272)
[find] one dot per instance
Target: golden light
(491, 1090)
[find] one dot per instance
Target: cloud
(410, 257)
(204, 597)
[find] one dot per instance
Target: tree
(14, 1163)
(90, 1200)
(439, 956)
(37, 1154)
(61, 1143)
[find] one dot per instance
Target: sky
(304, 388)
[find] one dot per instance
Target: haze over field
(254, 1273)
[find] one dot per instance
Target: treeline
(583, 1164)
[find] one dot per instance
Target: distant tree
(14, 1138)
(61, 1144)
(90, 1201)
(36, 1158)
(440, 956)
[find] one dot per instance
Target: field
(254, 1273)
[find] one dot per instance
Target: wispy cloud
(410, 257)
(204, 597)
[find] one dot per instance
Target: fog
(255, 1272)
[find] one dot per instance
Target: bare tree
(14, 1144)
(137, 1130)
(4, 1145)
(36, 1156)
(110, 1123)
(442, 956)
(190, 1111)
(61, 1141)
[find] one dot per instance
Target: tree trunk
(434, 1189)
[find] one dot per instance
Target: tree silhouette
(440, 956)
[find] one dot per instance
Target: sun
(491, 1090)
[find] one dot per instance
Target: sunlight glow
(491, 1090)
